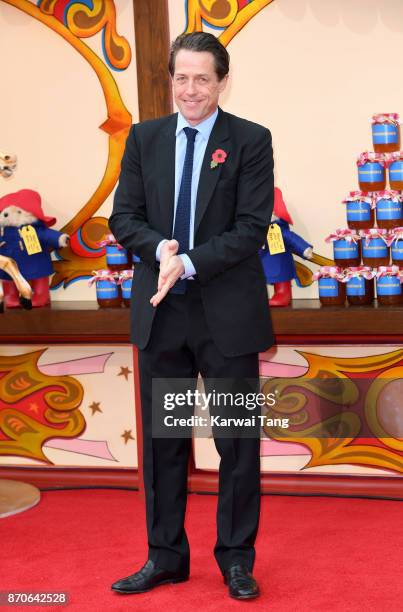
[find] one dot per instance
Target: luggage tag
(275, 239)
(30, 238)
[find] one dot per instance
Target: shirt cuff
(190, 270)
(158, 251)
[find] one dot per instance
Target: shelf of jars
(368, 254)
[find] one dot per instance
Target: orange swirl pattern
(232, 15)
(35, 407)
(85, 21)
(372, 410)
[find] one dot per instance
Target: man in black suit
(194, 202)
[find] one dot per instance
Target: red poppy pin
(218, 157)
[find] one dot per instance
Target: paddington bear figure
(26, 238)
(279, 268)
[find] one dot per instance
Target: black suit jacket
(233, 210)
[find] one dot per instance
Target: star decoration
(127, 435)
(95, 407)
(124, 372)
(34, 407)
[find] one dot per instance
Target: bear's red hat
(280, 209)
(30, 201)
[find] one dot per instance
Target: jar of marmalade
(371, 171)
(359, 285)
(395, 169)
(386, 132)
(125, 281)
(116, 257)
(360, 210)
(346, 247)
(332, 291)
(389, 286)
(375, 248)
(389, 209)
(107, 288)
(396, 249)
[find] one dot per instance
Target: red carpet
(316, 553)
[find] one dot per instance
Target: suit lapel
(166, 183)
(209, 176)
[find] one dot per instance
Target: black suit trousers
(181, 346)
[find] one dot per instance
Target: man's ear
(223, 83)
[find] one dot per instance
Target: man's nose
(191, 87)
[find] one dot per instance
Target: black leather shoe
(241, 583)
(147, 578)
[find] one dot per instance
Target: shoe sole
(174, 581)
(245, 596)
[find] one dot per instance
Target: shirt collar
(205, 127)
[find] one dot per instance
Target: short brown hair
(201, 41)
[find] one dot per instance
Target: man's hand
(172, 270)
(168, 249)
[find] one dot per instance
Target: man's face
(195, 85)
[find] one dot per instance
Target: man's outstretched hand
(171, 268)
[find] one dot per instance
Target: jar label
(388, 285)
(328, 287)
(375, 248)
(107, 290)
(396, 171)
(386, 209)
(397, 250)
(345, 250)
(356, 286)
(371, 172)
(115, 255)
(358, 211)
(127, 288)
(385, 133)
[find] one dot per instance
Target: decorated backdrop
(344, 410)
(67, 406)
(314, 72)
(69, 97)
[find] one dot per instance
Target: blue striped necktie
(182, 217)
